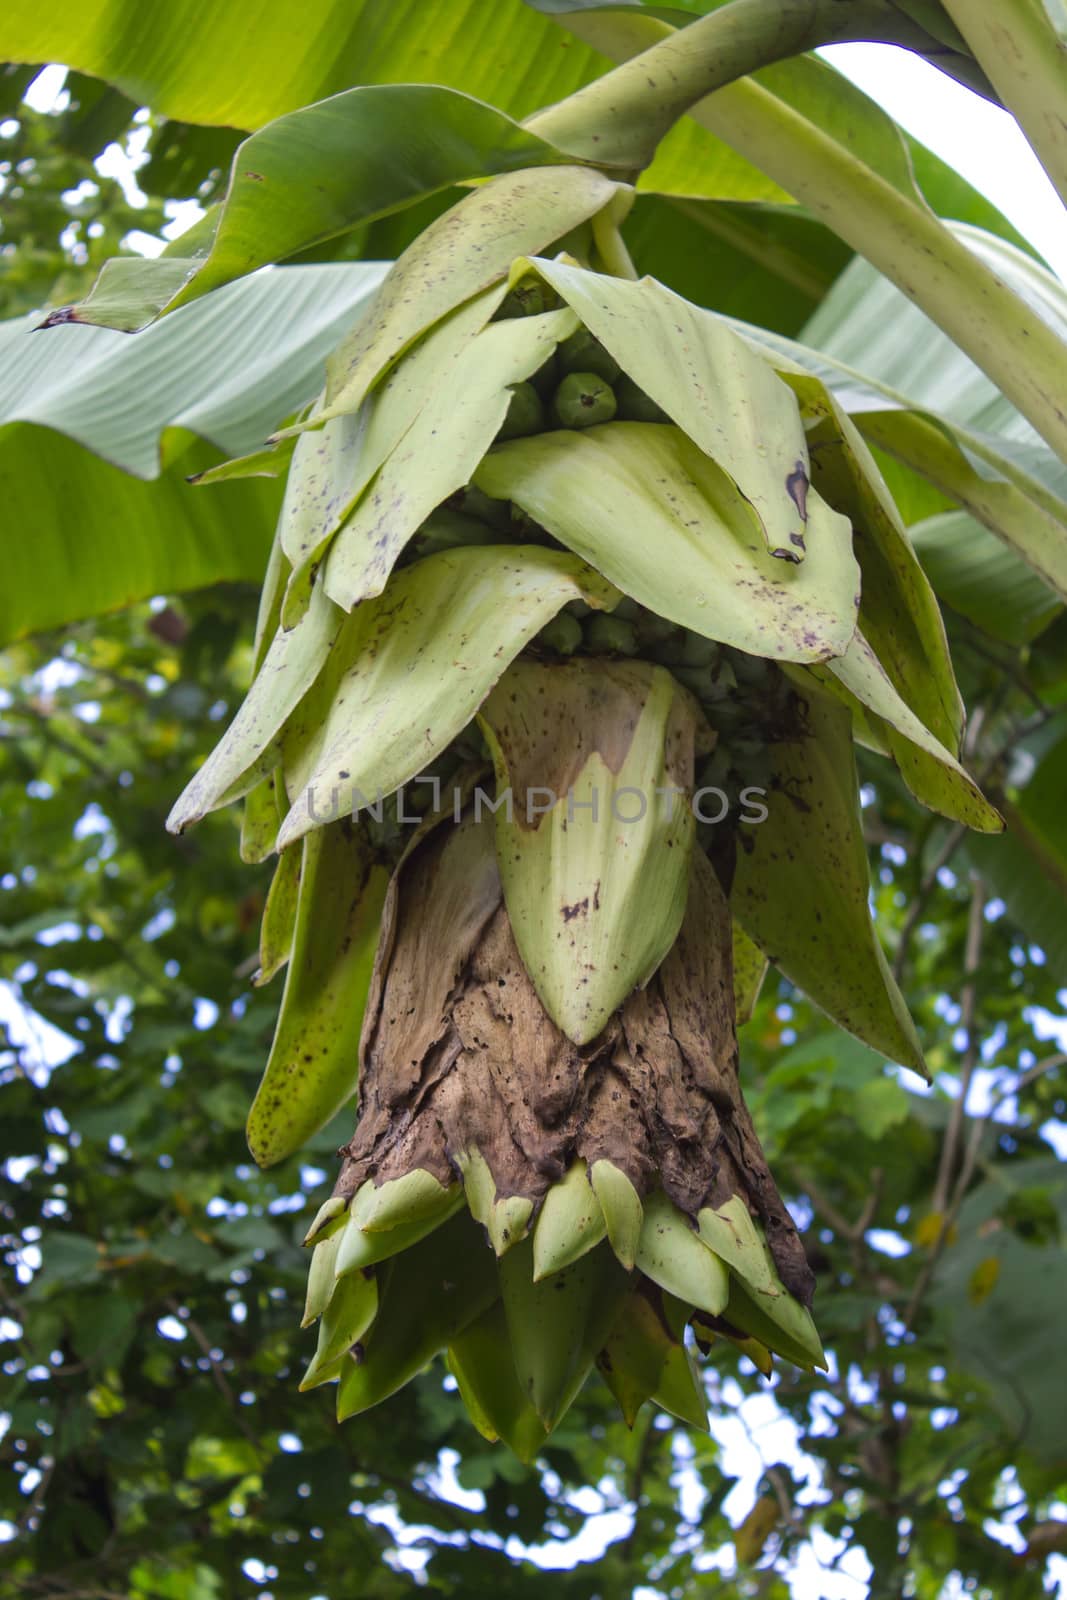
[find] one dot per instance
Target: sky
(986, 146)
(980, 140)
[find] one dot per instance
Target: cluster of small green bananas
(745, 698)
(560, 524)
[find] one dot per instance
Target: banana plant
(581, 595)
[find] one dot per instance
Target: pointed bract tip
(416, 1197)
(672, 1254)
(361, 1247)
(571, 1222)
(328, 1219)
(621, 1205)
(505, 1218)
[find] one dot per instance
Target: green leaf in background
(1029, 870)
(699, 160)
(313, 174)
(1002, 1299)
(86, 413)
(762, 263)
(212, 371)
(982, 578)
(215, 65)
(866, 323)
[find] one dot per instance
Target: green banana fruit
(582, 400)
(320, 1279)
(610, 636)
(644, 1359)
(363, 1247)
(505, 1219)
(525, 412)
(584, 354)
(416, 1197)
(563, 634)
(634, 405)
(782, 1325)
(736, 1239)
(330, 1218)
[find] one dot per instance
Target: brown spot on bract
(55, 319)
(796, 486)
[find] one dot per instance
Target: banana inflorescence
(558, 588)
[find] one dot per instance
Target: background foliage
(153, 1279)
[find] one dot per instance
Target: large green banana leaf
(762, 262)
(227, 63)
(88, 416)
(983, 579)
(695, 161)
(311, 175)
(301, 180)
(923, 26)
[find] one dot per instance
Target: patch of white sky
(985, 145)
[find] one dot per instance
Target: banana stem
(611, 248)
(619, 119)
